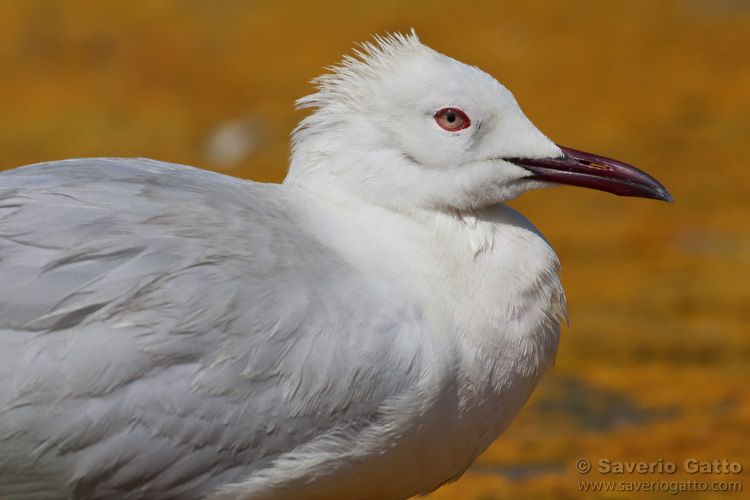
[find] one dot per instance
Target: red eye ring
(452, 119)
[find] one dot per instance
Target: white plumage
(363, 331)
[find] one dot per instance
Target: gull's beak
(577, 168)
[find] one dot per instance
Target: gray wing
(164, 330)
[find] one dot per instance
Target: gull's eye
(452, 119)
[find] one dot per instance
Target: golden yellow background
(655, 363)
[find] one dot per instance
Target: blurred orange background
(655, 363)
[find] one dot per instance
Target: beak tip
(655, 193)
(662, 194)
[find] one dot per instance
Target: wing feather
(160, 323)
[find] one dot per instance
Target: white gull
(363, 331)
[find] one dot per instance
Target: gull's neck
(486, 278)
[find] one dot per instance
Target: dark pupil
(451, 116)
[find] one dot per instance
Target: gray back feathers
(157, 307)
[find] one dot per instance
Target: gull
(362, 331)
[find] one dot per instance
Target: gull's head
(406, 127)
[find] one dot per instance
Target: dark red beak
(577, 168)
